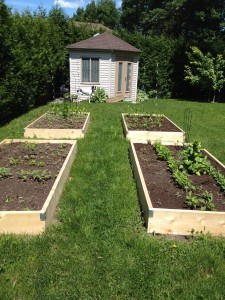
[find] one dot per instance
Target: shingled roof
(104, 41)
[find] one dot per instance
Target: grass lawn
(99, 248)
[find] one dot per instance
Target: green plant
(5, 172)
(220, 179)
(36, 175)
(31, 146)
(192, 201)
(8, 198)
(14, 161)
(181, 177)
(33, 162)
(194, 161)
(142, 96)
(207, 201)
(162, 151)
(99, 95)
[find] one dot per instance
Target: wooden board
(174, 221)
(175, 137)
(115, 99)
(47, 133)
(35, 222)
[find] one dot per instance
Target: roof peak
(104, 41)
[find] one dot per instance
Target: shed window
(90, 69)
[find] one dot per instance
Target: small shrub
(99, 95)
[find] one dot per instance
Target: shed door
(124, 78)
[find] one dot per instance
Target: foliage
(193, 160)
(156, 68)
(4, 173)
(99, 95)
(36, 175)
(142, 96)
(205, 71)
(102, 11)
(181, 177)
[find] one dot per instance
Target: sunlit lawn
(99, 249)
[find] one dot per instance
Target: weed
(36, 175)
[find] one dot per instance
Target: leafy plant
(205, 71)
(207, 201)
(220, 179)
(36, 175)
(99, 95)
(194, 161)
(31, 146)
(192, 201)
(14, 161)
(5, 172)
(33, 162)
(181, 177)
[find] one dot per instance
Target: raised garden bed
(32, 176)
(142, 127)
(164, 204)
(50, 126)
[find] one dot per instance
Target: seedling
(5, 172)
(14, 161)
(8, 198)
(33, 162)
(31, 146)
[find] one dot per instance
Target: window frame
(90, 70)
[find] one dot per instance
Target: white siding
(135, 79)
(75, 71)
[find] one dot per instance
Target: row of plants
(30, 160)
(188, 161)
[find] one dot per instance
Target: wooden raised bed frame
(174, 221)
(35, 222)
(175, 137)
(48, 133)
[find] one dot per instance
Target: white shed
(104, 61)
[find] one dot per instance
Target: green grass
(99, 248)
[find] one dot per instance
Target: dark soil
(150, 123)
(161, 187)
(29, 194)
(53, 121)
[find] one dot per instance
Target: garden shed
(105, 61)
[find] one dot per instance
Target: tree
(101, 11)
(5, 29)
(205, 71)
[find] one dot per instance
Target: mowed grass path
(99, 249)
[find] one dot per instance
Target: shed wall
(107, 67)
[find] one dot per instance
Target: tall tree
(101, 11)
(5, 29)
